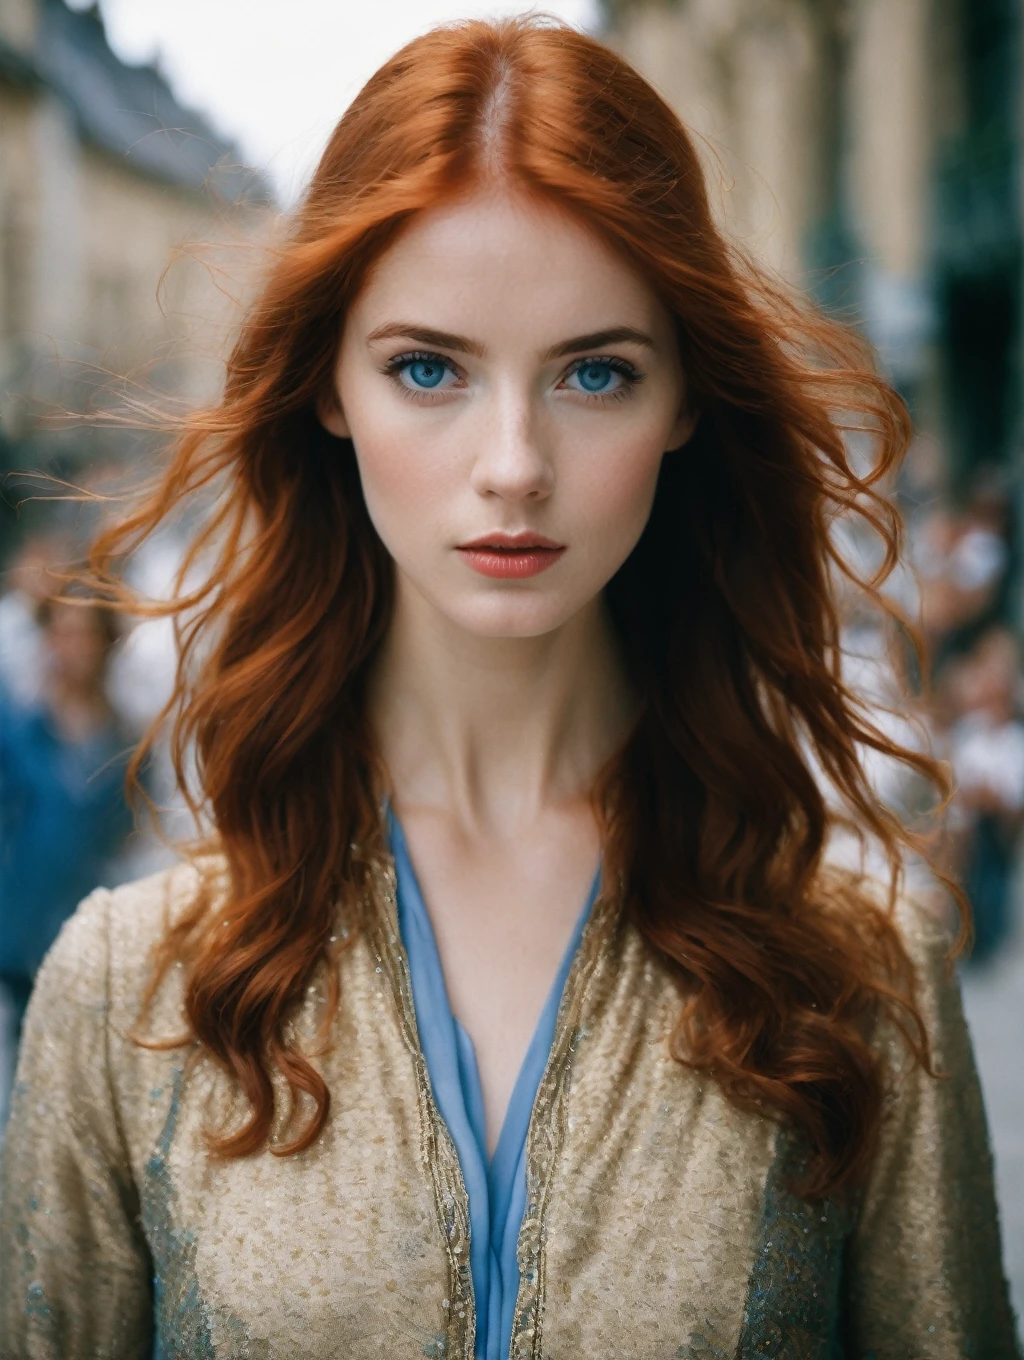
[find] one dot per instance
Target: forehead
(488, 260)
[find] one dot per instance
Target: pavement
(994, 1005)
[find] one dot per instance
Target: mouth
(511, 556)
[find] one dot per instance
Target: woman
(512, 1008)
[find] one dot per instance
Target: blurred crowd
(76, 691)
(962, 559)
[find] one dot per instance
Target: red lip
(511, 556)
(524, 539)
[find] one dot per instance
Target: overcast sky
(275, 75)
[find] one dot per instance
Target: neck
(495, 730)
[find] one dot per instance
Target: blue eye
(598, 377)
(421, 372)
(595, 377)
(425, 372)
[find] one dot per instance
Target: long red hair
(714, 813)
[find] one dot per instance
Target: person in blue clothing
(63, 812)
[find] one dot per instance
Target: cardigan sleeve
(75, 1271)
(924, 1274)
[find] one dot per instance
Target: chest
(500, 918)
(657, 1224)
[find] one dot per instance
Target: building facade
(105, 180)
(871, 150)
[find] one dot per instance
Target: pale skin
(495, 702)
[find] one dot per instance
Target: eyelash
(631, 376)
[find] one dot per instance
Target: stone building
(103, 178)
(872, 149)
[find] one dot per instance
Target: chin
(526, 617)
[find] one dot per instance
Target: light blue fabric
(497, 1190)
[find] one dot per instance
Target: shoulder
(922, 916)
(926, 933)
(924, 924)
(105, 952)
(910, 944)
(17, 717)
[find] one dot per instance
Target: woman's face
(510, 384)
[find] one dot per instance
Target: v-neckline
(495, 1188)
(513, 1129)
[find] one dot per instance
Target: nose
(513, 461)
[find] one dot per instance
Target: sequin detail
(36, 1306)
(439, 1156)
(546, 1132)
(182, 1322)
(793, 1297)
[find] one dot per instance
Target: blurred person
(30, 580)
(139, 684)
(981, 554)
(511, 1006)
(961, 558)
(986, 748)
(63, 812)
(933, 539)
(142, 671)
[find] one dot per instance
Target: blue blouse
(496, 1189)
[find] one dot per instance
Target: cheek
(398, 467)
(407, 479)
(616, 492)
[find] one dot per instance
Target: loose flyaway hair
(713, 813)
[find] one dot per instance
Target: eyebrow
(427, 335)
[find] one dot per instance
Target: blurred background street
(870, 151)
